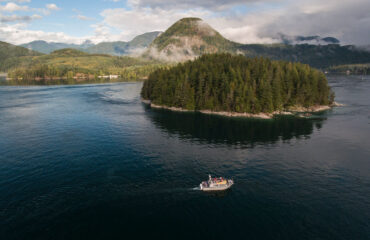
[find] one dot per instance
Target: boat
(216, 184)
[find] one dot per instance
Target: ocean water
(93, 162)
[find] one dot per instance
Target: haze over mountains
(48, 47)
(118, 48)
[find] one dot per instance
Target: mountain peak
(190, 27)
(190, 19)
(186, 39)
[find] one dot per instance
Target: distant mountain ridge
(48, 47)
(117, 48)
(189, 38)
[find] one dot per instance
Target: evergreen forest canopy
(225, 82)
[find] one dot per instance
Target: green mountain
(186, 39)
(191, 37)
(9, 54)
(136, 45)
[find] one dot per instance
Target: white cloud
(13, 7)
(48, 9)
(138, 21)
(52, 6)
(18, 34)
(347, 21)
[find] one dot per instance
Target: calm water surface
(93, 162)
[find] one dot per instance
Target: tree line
(234, 83)
(46, 71)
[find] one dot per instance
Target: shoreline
(291, 111)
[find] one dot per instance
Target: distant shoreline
(62, 81)
(291, 111)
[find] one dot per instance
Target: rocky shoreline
(290, 111)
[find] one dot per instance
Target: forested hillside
(9, 55)
(69, 63)
(225, 82)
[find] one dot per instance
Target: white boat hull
(222, 188)
(208, 187)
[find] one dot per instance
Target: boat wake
(196, 189)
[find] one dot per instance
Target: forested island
(225, 83)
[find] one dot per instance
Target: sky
(244, 21)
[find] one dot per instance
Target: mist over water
(93, 162)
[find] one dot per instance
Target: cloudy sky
(246, 21)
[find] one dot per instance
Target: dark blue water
(93, 162)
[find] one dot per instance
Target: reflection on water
(241, 131)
